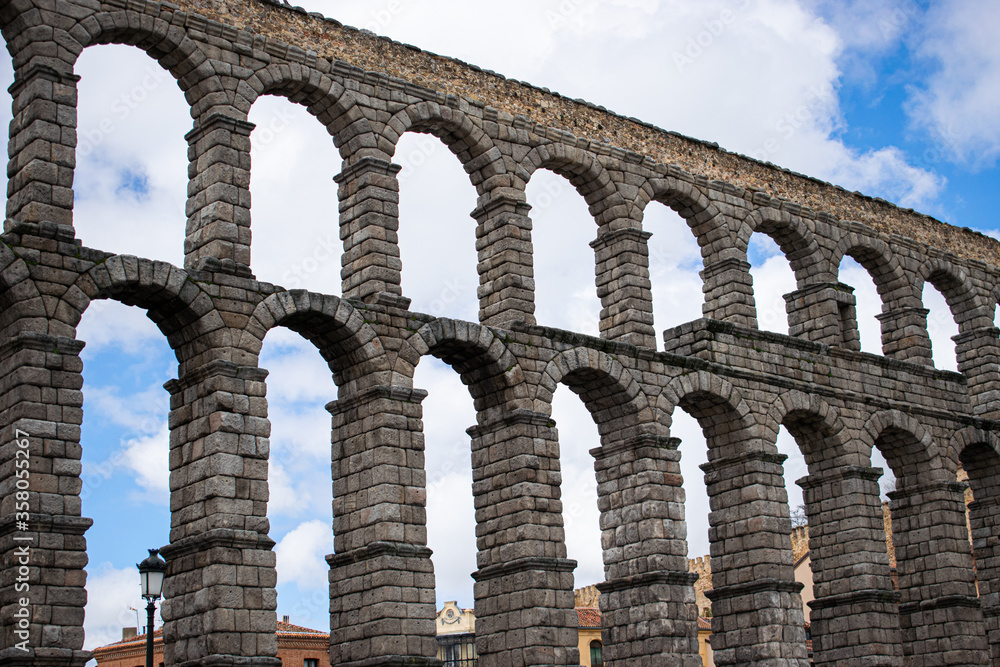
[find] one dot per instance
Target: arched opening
(299, 506)
(125, 473)
(748, 524)
(925, 496)
(981, 470)
(674, 264)
(562, 228)
(295, 231)
(868, 303)
(772, 279)
(578, 435)
(437, 238)
(694, 454)
(451, 517)
(941, 327)
(6, 110)
(130, 183)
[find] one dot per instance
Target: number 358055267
(22, 475)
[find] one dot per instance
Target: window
(595, 654)
(310, 662)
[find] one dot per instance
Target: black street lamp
(151, 573)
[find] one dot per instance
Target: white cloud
(451, 534)
(109, 324)
(112, 598)
(301, 555)
(868, 304)
(960, 103)
(771, 281)
(130, 191)
(148, 457)
(941, 326)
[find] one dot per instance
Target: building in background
(456, 636)
(297, 647)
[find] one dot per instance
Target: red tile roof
(283, 629)
(588, 617)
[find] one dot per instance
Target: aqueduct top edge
(544, 111)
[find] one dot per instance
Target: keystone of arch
(793, 235)
(336, 328)
(966, 305)
(922, 462)
(585, 172)
(703, 383)
(492, 372)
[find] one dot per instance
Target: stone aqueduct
(740, 383)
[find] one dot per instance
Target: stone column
(43, 551)
(904, 335)
(939, 612)
(506, 272)
(219, 598)
(218, 206)
(728, 289)
(622, 265)
(984, 516)
(382, 607)
(978, 353)
(855, 613)
(648, 602)
(824, 313)
(524, 586)
(369, 222)
(756, 608)
(42, 147)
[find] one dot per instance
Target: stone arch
(691, 203)
(965, 303)
(474, 148)
(346, 341)
(877, 258)
(483, 361)
(584, 171)
(973, 437)
(816, 426)
(908, 447)
(719, 408)
(21, 305)
(168, 44)
(793, 235)
(610, 391)
(994, 300)
(172, 300)
(325, 99)
(14, 11)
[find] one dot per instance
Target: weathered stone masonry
(741, 384)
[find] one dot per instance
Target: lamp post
(151, 573)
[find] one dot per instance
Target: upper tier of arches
(365, 117)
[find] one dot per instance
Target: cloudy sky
(895, 98)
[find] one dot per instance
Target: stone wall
(741, 384)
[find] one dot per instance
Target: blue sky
(897, 99)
